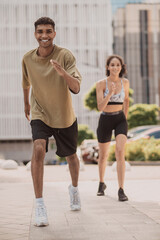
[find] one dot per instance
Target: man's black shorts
(66, 138)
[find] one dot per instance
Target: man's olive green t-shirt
(51, 100)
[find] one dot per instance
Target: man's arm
(72, 82)
(26, 89)
(26, 103)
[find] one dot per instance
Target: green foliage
(131, 91)
(142, 114)
(61, 159)
(111, 156)
(140, 150)
(90, 100)
(134, 152)
(152, 150)
(153, 154)
(84, 133)
(143, 150)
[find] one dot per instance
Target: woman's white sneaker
(41, 218)
(75, 202)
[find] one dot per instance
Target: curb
(140, 163)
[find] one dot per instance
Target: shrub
(152, 150)
(140, 150)
(142, 114)
(134, 152)
(153, 155)
(111, 155)
(61, 160)
(84, 133)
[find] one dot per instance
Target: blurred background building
(136, 33)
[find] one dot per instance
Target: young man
(51, 72)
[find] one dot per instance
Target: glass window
(155, 134)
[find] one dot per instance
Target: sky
(121, 3)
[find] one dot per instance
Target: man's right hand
(27, 108)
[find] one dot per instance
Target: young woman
(113, 100)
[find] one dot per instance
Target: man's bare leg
(37, 168)
(73, 162)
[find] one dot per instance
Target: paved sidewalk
(100, 217)
(16, 206)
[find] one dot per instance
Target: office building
(136, 33)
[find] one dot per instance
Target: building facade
(136, 34)
(83, 26)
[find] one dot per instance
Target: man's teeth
(44, 40)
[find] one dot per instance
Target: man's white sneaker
(41, 215)
(75, 203)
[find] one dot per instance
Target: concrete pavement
(100, 217)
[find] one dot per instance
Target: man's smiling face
(45, 35)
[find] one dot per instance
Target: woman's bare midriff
(113, 108)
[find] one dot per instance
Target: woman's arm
(101, 100)
(126, 100)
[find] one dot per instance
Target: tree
(90, 101)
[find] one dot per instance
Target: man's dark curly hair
(123, 70)
(44, 21)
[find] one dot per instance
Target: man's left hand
(57, 67)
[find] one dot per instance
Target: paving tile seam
(156, 222)
(30, 225)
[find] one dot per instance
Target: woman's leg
(104, 134)
(120, 153)
(102, 161)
